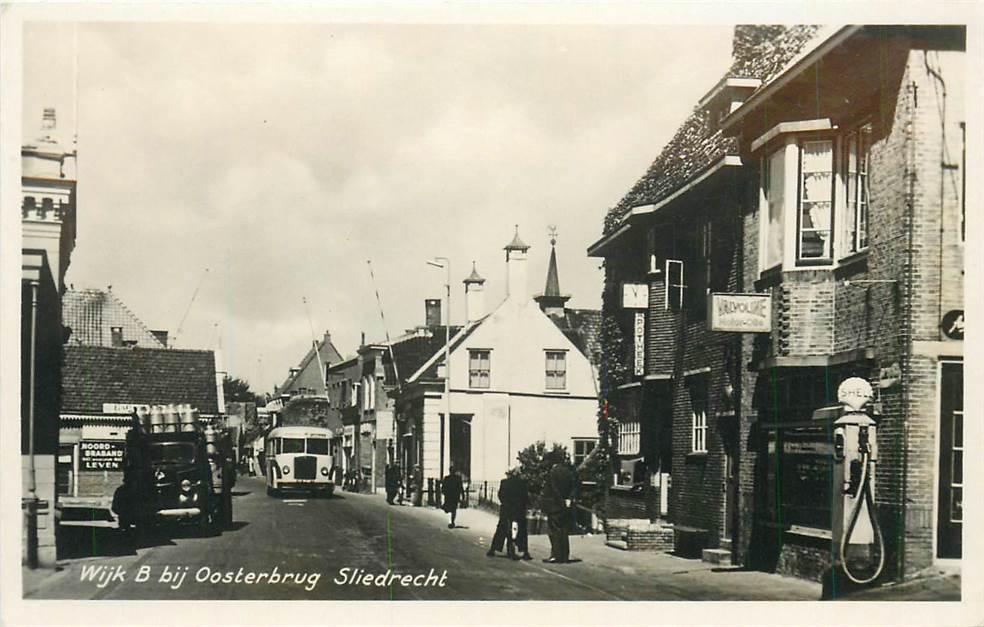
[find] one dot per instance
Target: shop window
(816, 201)
(857, 156)
(556, 370)
(479, 370)
(628, 438)
(583, 448)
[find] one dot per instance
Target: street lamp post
(444, 262)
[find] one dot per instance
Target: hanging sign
(740, 313)
(640, 343)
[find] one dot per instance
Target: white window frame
(553, 375)
(669, 286)
(628, 437)
(827, 258)
(473, 372)
(857, 197)
(698, 440)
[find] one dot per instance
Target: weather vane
(552, 229)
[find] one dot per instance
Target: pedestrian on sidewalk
(555, 501)
(511, 530)
(452, 490)
(392, 482)
(417, 485)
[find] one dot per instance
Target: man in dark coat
(392, 482)
(513, 502)
(452, 490)
(555, 501)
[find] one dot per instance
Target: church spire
(552, 301)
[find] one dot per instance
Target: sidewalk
(634, 573)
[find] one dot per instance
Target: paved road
(308, 538)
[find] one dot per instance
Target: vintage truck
(174, 468)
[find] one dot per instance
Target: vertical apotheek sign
(640, 344)
(740, 313)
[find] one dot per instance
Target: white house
(519, 374)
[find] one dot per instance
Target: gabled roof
(91, 313)
(93, 375)
(329, 355)
(760, 52)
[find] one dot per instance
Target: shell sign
(855, 392)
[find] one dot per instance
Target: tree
(237, 390)
(534, 465)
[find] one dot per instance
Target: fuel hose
(868, 490)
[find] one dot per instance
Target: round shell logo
(854, 392)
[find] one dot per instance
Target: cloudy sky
(282, 157)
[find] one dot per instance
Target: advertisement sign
(122, 409)
(101, 455)
(640, 344)
(855, 392)
(740, 313)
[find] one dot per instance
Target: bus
(298, 459)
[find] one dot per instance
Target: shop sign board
(740, 313)
(101, 455)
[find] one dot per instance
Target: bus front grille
(305, 467)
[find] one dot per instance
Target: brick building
(839, 197)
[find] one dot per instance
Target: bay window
(814, 205)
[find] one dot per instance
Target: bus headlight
(324, 471)
(286, 469)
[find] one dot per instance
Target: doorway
(461, 445)
(949, 522)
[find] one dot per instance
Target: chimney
(432, 312)
(474, 295)
(161, 337)
(516, 267)
(116, 337)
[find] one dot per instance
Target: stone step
(721, 557)
(724, 543)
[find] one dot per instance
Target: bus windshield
(292, 445)
(317, 446)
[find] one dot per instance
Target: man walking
(452, 491)
(511, 530)
(392, 482)
(555, 501)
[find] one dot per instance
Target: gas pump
(855, 523)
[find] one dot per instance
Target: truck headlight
(324, 471)
(286, 470)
